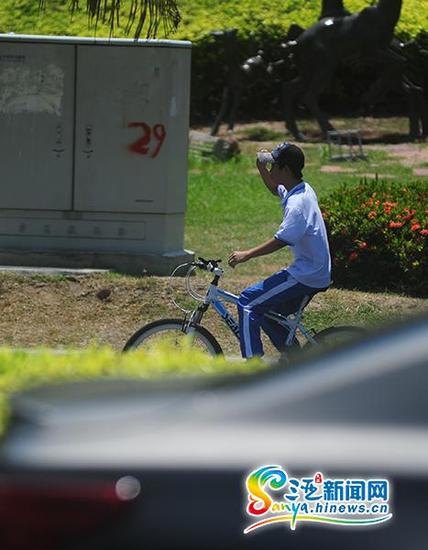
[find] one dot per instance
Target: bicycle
(190, 327)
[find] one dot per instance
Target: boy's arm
(239, 257)
(267, 180)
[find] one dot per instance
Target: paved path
(48, 270)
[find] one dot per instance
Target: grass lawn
(229, 207)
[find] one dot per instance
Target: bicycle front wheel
(169, 332)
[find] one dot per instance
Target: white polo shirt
(303, 229)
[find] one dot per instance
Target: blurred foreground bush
(23, 369)
(379, 236)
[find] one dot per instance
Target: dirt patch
(373, 130)
(331, 169)
(410, 154)
(378, 176)
(420, 171)
(71, 313)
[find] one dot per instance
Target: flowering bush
(379, 236)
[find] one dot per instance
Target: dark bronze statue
(317, 52)
(239, 75)
(414, 84)
(333, 8)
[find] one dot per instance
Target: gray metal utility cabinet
(93, 152)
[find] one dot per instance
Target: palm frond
(146, 15)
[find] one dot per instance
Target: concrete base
(130, 263)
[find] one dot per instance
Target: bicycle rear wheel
(335, 336)
(169, 332)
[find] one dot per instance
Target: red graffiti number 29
(141, 145)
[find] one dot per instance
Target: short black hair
(287, 154)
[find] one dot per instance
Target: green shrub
(379, 236)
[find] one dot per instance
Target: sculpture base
(129, 263)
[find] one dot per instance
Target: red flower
(415, 227)
(424, 232)
(353, 256)
(362, 245)
(388, 204)
(409, 216)
(394, 225)
(372, 215)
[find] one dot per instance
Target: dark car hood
(361, 407)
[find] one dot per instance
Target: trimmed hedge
(379, 236)
(200, 17)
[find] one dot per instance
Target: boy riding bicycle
(302, 229)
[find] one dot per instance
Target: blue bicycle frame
(215, 296)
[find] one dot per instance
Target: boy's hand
(238, 258)
(258, 163)
(265, 174)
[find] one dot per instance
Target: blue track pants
(280, 293)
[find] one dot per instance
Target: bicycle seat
(298, 304)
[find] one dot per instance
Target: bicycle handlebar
(208, 265)
(205, 265)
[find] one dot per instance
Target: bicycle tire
(168, 325)
(336, 335)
